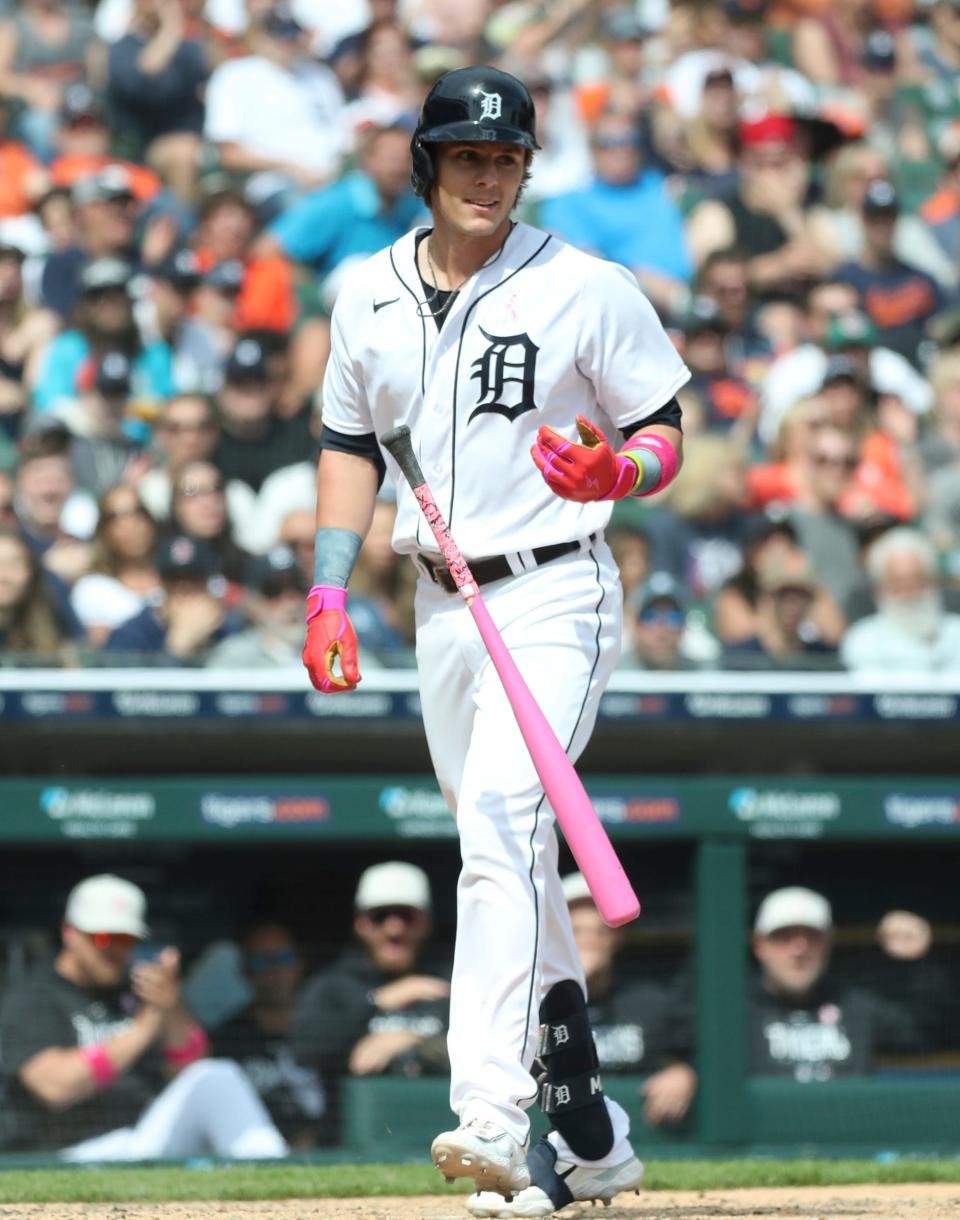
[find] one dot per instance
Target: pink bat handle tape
(582, 829)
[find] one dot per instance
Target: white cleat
(484, 1152)
(556, 1183)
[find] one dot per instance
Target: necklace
(437, 290)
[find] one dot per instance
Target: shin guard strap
(561, 1035)
(562, 1096)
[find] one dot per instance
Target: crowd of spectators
(184, 183)
(114, 1050)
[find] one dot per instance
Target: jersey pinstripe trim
(456, 372)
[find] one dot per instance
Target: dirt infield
(931, 1202)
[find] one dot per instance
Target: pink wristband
(100, 1064)
(195, 1047)
(325, 597)
(665, 454)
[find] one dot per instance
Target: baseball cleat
(556, 1183)
(484, 1152)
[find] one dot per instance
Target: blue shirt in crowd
(344, 219)
(637, 225)
(152, 371)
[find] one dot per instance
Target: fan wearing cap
(176, 311)
(191, 617)
(104, 223)
(104, 322)
(656, 624)
(100, 451)
(274, 639)
(602, 216)
(382, 1006)
(256, 438)
(729, 403)
(83, 146)
(767, 216)
(803, 1023)
(91, 1040)
(899, 298)
(277, 109)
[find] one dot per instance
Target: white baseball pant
(208, 1109)
(562, 624)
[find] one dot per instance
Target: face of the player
(393, 936)
(98, 960)
(596, 943)
(793, 959)
(476, 186)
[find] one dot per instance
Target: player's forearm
(346, 492)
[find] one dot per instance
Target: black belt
(485, 571)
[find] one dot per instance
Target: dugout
(225, 800)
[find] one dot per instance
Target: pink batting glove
(330, 635)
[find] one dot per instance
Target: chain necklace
(453, 291)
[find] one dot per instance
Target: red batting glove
(330, 635)
(586, 471)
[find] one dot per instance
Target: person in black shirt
(258, 1037)
(638, 1026)
(102, 1062)
(378, 1009)
(255, 439)
(803, 1024)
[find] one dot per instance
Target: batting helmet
(471, 104)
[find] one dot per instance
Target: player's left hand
(586, 471)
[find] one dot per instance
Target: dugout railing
(127, 770)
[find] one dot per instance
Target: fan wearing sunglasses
(381, 1006)
(257, 1037)
(102, 1062)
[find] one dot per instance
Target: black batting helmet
(468, 104)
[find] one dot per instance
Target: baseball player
(515, 360)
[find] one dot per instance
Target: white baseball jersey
(541, 333)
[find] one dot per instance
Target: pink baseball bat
(586, 837)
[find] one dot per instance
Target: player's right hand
(330, 635)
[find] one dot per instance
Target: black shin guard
(571, 1093)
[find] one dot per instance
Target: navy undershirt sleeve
(360, 446)
(668, 414)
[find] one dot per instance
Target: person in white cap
(380, 1007)
(802, 1023)
(101, 1061)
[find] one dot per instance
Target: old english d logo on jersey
(509, 360)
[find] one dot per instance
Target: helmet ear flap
(422, 174)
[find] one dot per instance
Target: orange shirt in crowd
(267, 300)
(18, 167)
(878, 478)
(67, 170)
